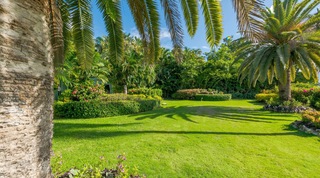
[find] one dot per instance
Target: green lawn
(194, 139)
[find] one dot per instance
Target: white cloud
(164, 33)
(205, 47)
(134, 32)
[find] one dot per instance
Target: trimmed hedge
(215, 97)
(262, 97)
(186, 94)
(92, 109)
(145, 91)
(121, 97)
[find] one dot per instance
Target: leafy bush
(190, 94)
(307, 96)
(214, 97)
(91, 109)
(82, 92)
(313, 117)
(265, 97)
(186, 94)
(145, 91)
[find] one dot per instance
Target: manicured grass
(194, 139)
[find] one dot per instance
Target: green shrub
(190, 94)
(186, 94)
(145, 91)
(92, 109)
(265, 97)
(312, 116)
(214, 97)
(121, 97)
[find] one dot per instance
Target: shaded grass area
(194, 139)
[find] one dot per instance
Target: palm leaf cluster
(76, 24)
(288, 43)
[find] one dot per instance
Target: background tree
(168, 73)
(191, 65)
(288, 43)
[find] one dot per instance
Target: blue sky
(198, 41)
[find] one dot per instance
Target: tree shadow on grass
(235, 114)
(91, 134)
(80, 125)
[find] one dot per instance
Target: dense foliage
(216, 69)
(92, 109)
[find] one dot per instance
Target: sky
(197, 42)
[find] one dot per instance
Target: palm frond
(249, 19)
(172, 16)
(153, 29)
(146, 17)
(56, 26)
(81, 17)
(112, 17)
(65, 16)
(211, 10)
(191, 15)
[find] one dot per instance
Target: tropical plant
(288, 42)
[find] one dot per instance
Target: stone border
(300, 125)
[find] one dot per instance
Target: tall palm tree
(288, 42)
(31, 33)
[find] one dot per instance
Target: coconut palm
(288, 42)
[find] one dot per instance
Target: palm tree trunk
(26, 89)
(288, 85)
(282, 91)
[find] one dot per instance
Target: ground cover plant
(193, 139)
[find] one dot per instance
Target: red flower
(74, 92)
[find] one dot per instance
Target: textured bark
(282, 91)
(287, 94)
(26, 89)
(285, 89)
